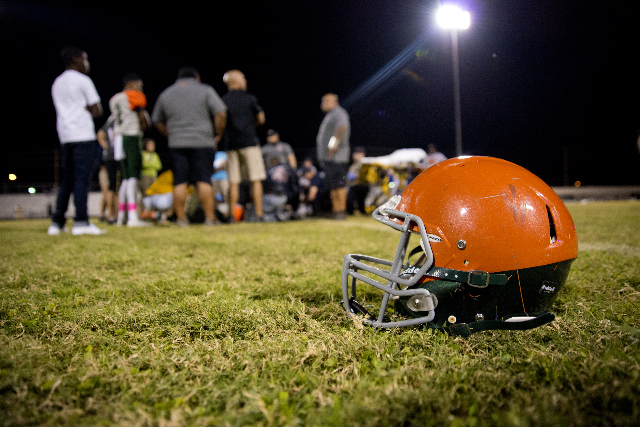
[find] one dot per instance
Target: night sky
(541, 81)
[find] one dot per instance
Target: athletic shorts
(191, 165)
(131, 165)
(335, 175)
(246, 164)
(112, 169)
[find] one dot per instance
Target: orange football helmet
(496, 244)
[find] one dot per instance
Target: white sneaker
(86, 229)
(136, 222)
(54, 230)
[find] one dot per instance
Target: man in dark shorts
(332, 147)
(193, 117)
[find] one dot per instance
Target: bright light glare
(450, 16)
(12, 177)
(32, 190)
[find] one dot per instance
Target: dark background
(551, 85)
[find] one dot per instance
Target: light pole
(453, 18)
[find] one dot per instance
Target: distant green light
(32, 190)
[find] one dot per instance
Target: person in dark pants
(77, 103)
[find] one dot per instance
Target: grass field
(241, 325)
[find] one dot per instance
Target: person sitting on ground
(220, 185)
(310, 185)
(151, 165)
(280, 151)
(278, 188)
(159, 196)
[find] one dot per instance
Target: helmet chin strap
(475, 278)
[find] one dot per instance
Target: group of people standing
(196, 122)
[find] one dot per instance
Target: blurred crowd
(217, 169)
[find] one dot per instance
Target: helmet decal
(434, 238)
(547, 288)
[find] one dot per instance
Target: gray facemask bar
(353, 262)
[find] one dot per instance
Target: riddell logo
(546, 289)
(410, 270)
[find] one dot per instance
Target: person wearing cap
(241, 140)
(277, 149)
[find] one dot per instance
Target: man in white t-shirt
(77, 103)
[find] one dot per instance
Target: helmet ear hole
(552, 227)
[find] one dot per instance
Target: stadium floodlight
(453, 18)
